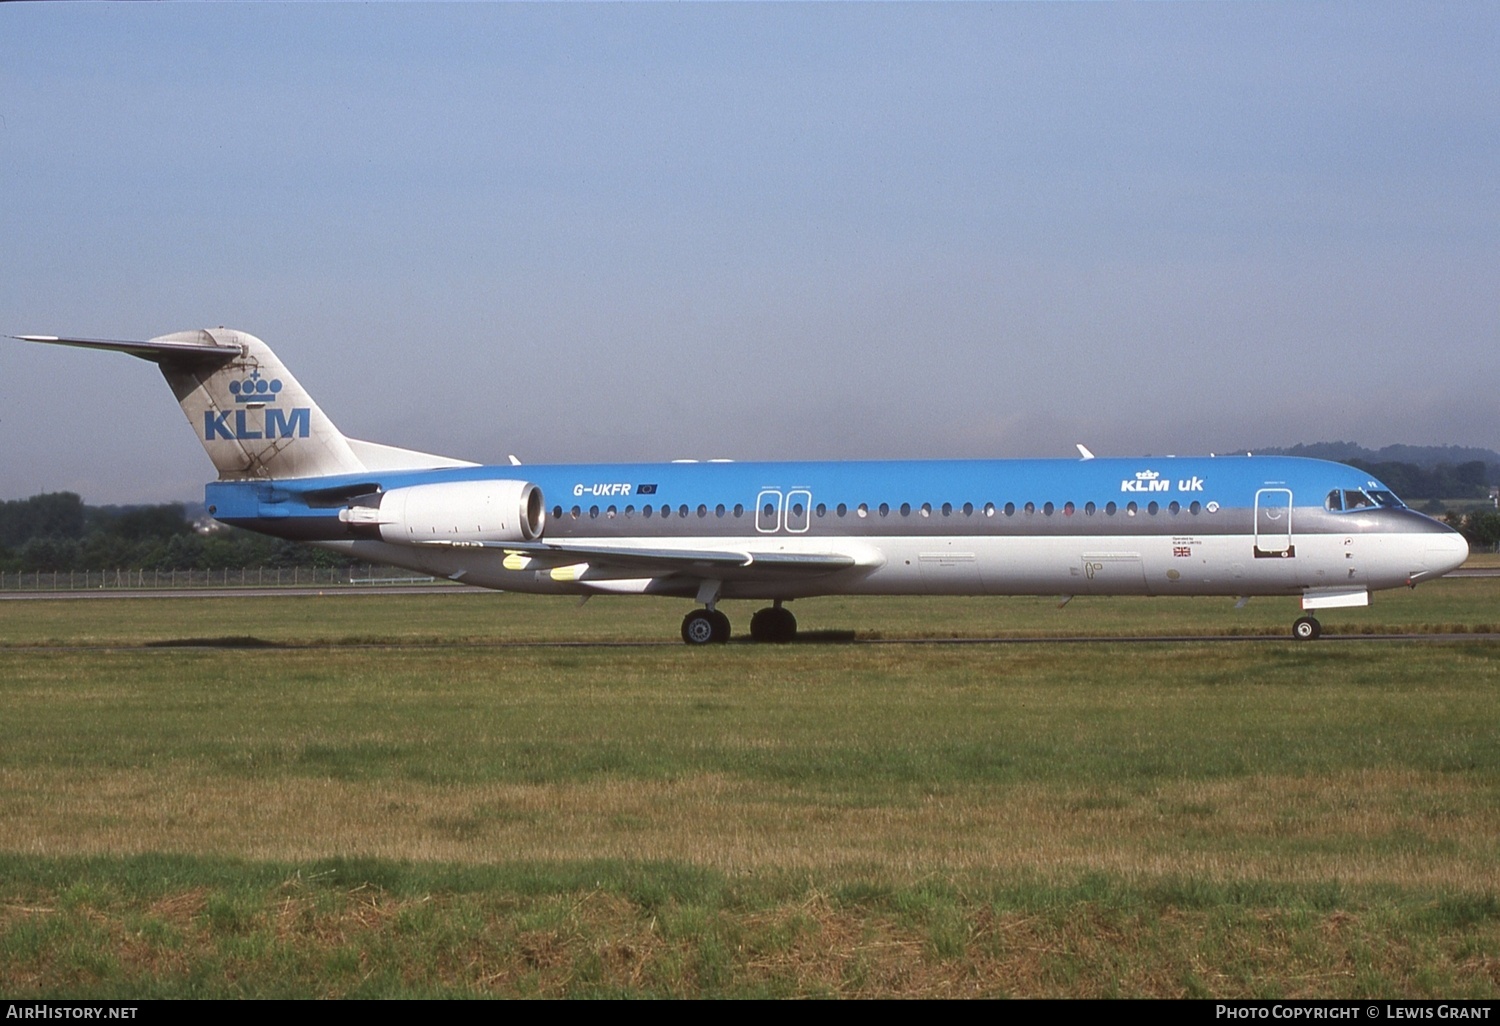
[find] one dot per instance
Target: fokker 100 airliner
(709, 531)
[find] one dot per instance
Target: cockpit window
(1354, 498)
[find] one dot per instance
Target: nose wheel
(705, 627)
(1307, 628)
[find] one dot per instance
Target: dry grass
(366, 941)
(1393, 828)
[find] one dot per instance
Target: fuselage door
(768, 511)
(1273, 523)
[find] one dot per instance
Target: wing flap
(669, 560)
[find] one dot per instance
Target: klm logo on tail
(259, 420)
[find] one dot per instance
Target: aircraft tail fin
(254, 419)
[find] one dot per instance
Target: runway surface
(806, 637)
(811, 637)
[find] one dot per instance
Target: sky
(622, 232)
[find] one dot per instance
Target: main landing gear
(1307, 628)
(705, 627)
(774, 625)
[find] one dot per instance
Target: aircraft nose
(1446, 552)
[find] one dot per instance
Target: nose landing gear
(1307, 628)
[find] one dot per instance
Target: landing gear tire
(705, 627)
(1307, 629)
(774, 625)
(721, 627)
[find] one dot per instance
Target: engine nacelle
(455, 511)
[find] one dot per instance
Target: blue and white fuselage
(709, 531)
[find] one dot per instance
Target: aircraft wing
(664, 561)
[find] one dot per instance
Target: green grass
(446, 816)
(1461, 605)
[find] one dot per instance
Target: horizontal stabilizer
(157, 350)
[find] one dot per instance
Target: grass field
(359, 795)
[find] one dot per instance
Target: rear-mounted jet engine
(454, 511)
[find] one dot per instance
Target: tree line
(1468, 480)
(56, 531)
(1480, 528)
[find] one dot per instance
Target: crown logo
(255, 389)
(1147, 475)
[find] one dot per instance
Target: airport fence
(363, 575)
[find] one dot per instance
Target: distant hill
(1424, 456)
(1413, 471)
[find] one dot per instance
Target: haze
(641, 232)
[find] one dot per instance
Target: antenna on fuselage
(1083, 451)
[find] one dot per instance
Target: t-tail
(255, 420)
